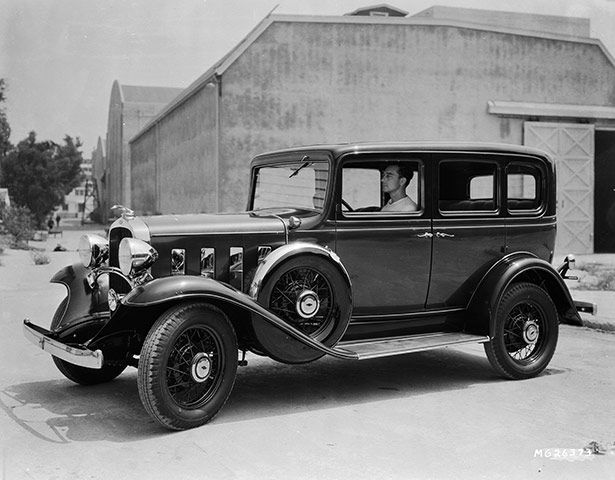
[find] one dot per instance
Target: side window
(361, 187)
(373, 185)
(467, 185)
(524, 187)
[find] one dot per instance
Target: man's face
(391, 180)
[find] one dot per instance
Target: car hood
(218, 223)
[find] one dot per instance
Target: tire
(187, 366)
(310, 294)
(82, 375)
(525, 332)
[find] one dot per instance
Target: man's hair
(404, 171)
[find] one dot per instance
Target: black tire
(526, 332)
(308, 278)
(82, 375)
(187, 365)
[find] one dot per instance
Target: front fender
(517, 267)
(85, 300)
(166, 289)
(285, 252)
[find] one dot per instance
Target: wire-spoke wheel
(309, 293)
(187, 366)
(525, 332)
(303, 296)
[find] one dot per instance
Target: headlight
(135, 255)
(93, 250)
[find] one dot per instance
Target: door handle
(425, 235)
(444, 235)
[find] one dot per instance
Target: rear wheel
(525, 333)
(82, 375)
(187, 365)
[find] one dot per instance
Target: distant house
(79, 200)
(376, 74)
(382, 10)
(4, 197)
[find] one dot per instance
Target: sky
(61, 57)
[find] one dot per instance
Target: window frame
(371, 160)
(541, 188)
(465, 159)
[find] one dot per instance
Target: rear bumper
(586, 307)
(77, 355)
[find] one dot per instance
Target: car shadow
(270, 388)
(59, 411)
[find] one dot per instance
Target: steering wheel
(347, 205)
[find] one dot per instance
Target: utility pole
(89, 193)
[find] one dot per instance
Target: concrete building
(99, 182)
(130, 109)
(443, 74)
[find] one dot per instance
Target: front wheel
(187, 365)
(525, 332)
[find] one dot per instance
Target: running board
(386, 347)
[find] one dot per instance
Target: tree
(5, 129)
(39, 174)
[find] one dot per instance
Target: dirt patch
(595, 276)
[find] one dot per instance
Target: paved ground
(433, 415)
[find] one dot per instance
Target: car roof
(339, 149)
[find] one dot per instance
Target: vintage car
(315, 267)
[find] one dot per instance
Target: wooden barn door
(572, 148)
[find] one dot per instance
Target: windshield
(299, 185)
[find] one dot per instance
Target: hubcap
(531, 332)
(307, 304)
(201, 367)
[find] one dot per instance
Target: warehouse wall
(311, 82)
(144, 177)
(174, 167)
(325, 82)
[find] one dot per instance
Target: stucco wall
(325, 82)
(144, 185)
(186, 177)
(311, 82)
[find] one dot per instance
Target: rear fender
(86, 296)
(167, 290)
(518, 267)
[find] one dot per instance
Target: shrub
(18, 223)
(97, 215)
(596, 276)
(39, 257)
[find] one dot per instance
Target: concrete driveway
(439, 414)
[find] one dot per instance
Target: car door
(388, 255)
(469, 225)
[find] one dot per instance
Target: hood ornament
(125, 212)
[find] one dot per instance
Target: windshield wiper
(301, 167)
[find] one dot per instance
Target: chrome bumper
(586, 307)
(77, 355)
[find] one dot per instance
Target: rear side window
(524, 187)
(467, 186)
